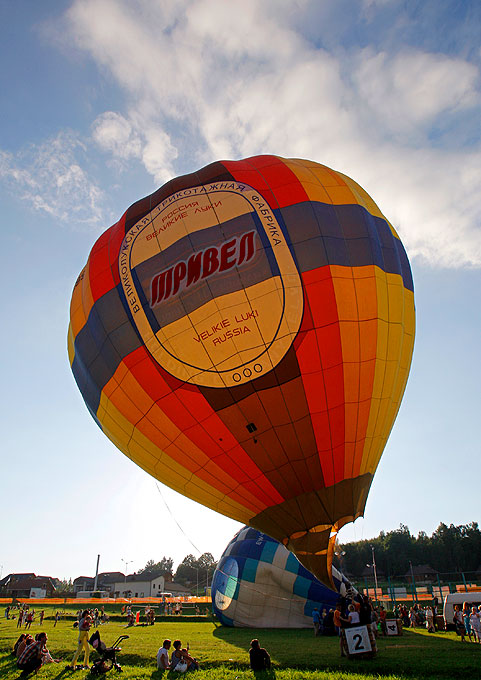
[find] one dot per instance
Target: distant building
(368, 572)
(423, 573)
(28, 585)
(105, 582)
(177, 589)
(4, 582)
(139, 585)
(83, 583)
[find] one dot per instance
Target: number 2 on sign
(358, 640)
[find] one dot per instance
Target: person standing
(365, 612)
(316, 620)
(382, 619)
(475, 622)
(458, 621)
(339, 623)
(430, 620)
(353, 616)
(83, 642)
(467, 621)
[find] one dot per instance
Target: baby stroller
(107, 659)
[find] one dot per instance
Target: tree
(450, 549)
(64, 586)
(187, 570)
(157, 568)
(192, 571)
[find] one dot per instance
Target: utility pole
(415, 595)
(373, 565)
(126, 562)
(96, 573)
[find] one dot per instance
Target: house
(105, 582)
(368, 572)
(28, 585)
(138, 585)
(83, 583)
(177, 590)
(4, 582)
(422, 573)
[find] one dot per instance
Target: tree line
(449, 549)
(191, 571)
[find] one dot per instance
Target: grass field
(223, 653)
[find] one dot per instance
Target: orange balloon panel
(245, 334)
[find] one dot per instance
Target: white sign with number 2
(358, 641)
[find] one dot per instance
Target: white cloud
(406, 92)
(205, 79)
(158, 155)
(125, 139)
(49, 177)
(114, 133)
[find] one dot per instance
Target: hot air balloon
(245, 334)
(258, 583)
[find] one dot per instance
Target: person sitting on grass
(179, 655)
(259, 657)
(34, 656)
(21, 644)
(16, 645)
(163, 656)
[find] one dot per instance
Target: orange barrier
(107, 600)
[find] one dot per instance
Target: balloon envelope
(245, 334)
(258, 583)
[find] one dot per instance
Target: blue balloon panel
(258, 583)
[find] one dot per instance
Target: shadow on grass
(8, 661)
(64, 670)
(415, 654)
(259, 675)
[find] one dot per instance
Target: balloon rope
(173, 517)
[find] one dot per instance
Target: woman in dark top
(260, 659)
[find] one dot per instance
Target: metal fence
(404, 590)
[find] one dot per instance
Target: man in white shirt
(163, 656)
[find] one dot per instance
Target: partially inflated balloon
(258, 583)
(245, 334)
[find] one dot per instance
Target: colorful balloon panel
(258, 583)
(245, 334)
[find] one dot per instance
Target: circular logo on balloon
(226, 582)
(211, 284)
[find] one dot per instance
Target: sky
(105, 100)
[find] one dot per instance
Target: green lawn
(223, 653)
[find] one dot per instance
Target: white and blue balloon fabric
(258, 583)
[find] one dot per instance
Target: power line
(172, 515)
